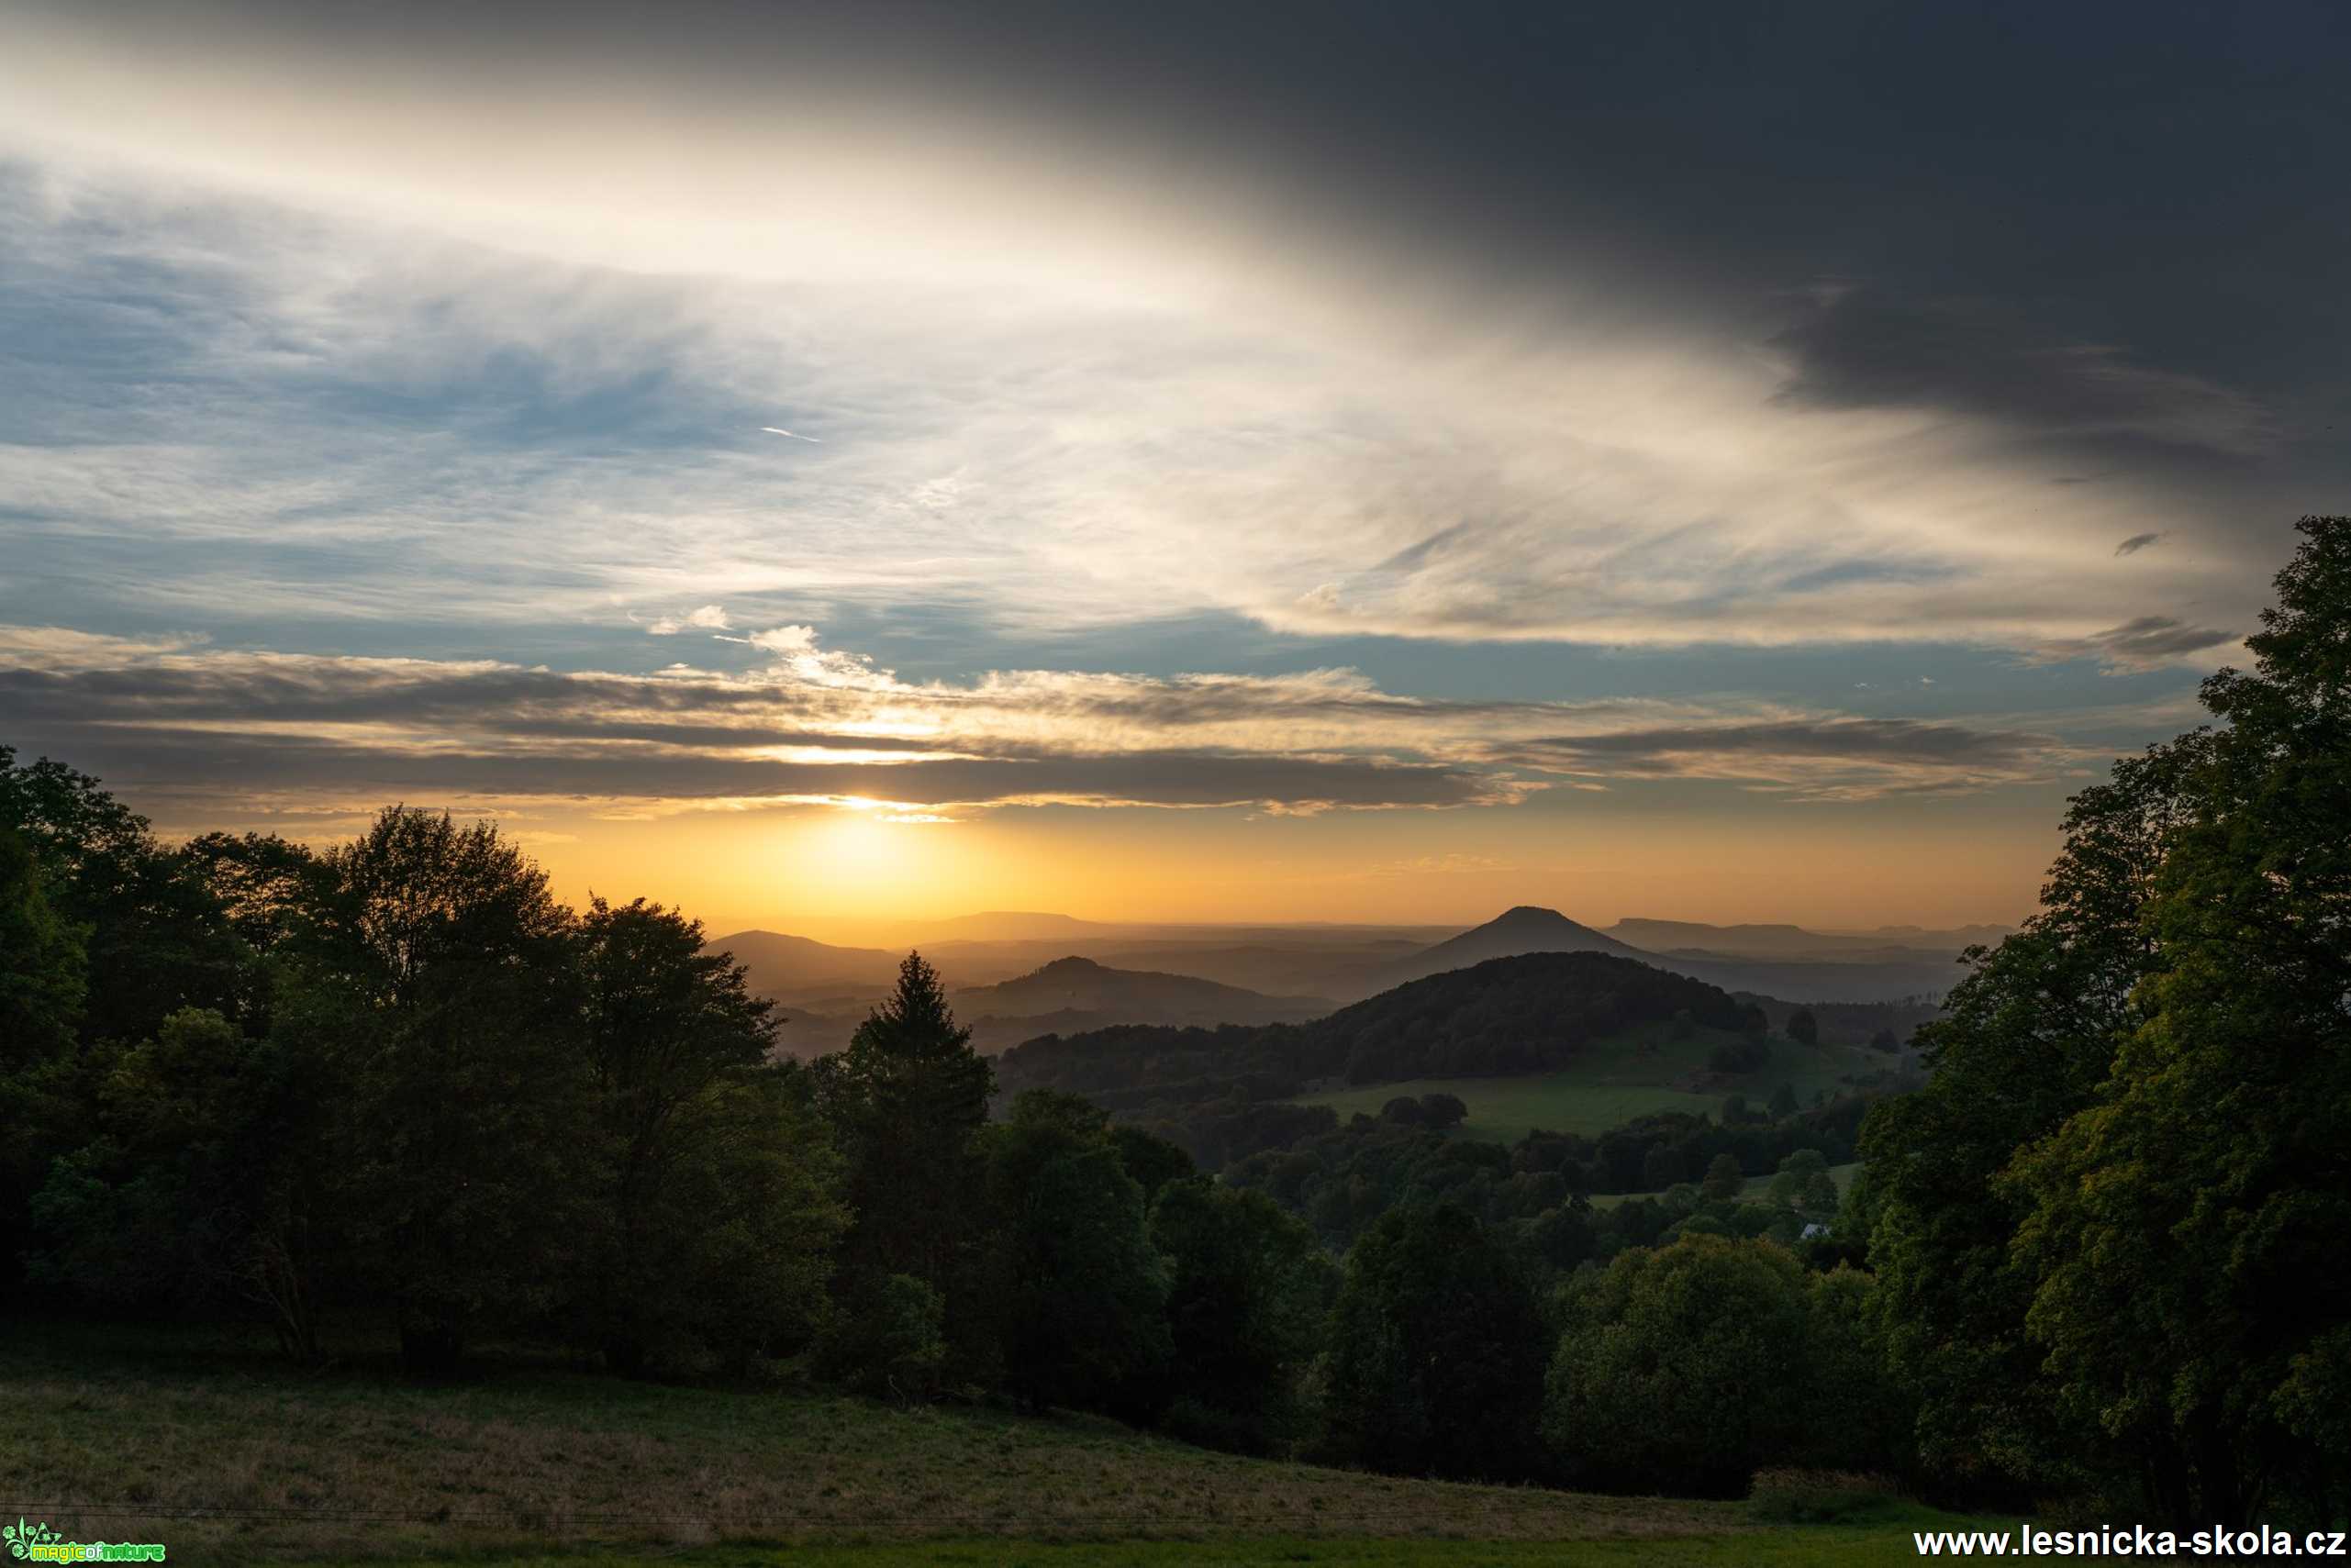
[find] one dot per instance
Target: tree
(155, 940)
(1247, 1288)
(1441, 1110)
(1782, 1103)
(907, 1101)
(1437, 1352)
(43, 979)
(2108, 1230)
(2025, 1038)
(43, 969)
(1082, 1306)
(1885, 1039)
(1661, 1167)
(2183, 1232)
(1680, 1370)
(1725, 1179)
(1405, 1111)
(1150, 1160)
(711, 1169)
(1803, 1028)
(441, 989)
(756, 1204)
(1746, 1054)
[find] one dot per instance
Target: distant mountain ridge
(1888, 944)
(1082, 982)
(782, 965)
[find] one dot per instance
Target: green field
(1755, 1188)
(211, 1446)
(1628, 1075)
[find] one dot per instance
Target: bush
(1817, 1496)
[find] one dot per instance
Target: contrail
(796, 435)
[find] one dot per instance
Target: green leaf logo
(22, 1536)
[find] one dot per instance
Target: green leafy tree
(759, 1214)
(1150, 1160)
(155, 939)
(1247, 1289)
(43, 980)
(2184, 1229)
(891, 1341)
(2025, 1038)
(1782, 1103)
(1082, 1304)
(1441, 1110)
(1724, 1180)
(442, 992)
(712, 1170)
(1682, 1369)
(1437, 1352)
(1803, 1028)
(192, 1191)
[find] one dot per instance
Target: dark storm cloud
(1866, 349)
(2093, 213)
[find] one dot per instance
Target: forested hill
(1525, 1014)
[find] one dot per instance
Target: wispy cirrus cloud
(336, 417)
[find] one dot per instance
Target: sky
(1204, 462)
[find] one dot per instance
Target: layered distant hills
(1016, 975)
(1072, 993)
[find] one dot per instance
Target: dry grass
(226, 1455)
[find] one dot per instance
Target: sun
(858, 849)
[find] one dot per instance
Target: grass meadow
(1627, 1076)
(208, 1444)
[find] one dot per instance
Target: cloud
(818, 726)
(2136, 543)
(2139, 644)
(1861, 347)
(711, 617)
(1839, 758)
(366, 421)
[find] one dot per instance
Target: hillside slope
(228, 1455)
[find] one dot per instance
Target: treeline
(1342, 1181)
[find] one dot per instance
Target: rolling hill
(1525, 930)
(786, 966)
(1074, 993)
(1529, 1012)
